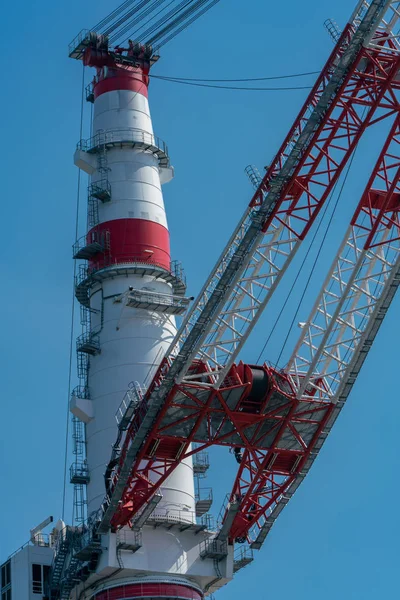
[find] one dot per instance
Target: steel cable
(289, 76)
(164, 19)
(181, 15)
(162, 42)
(71, 344)
(151, 21)
(236, 88)
(98, 27)
(314, 263)
(130, 13)
(128, 27)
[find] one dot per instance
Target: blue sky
(339, 535)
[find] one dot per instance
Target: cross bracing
(359, 78)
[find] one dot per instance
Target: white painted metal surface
(136, 189)
(335, 329)
(389, 27)
(132, 341)
(166, 554)
(122, 109)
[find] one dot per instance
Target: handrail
(133, 397)
(205, 493)
(123, 135)
(175, 269)
(157, 297)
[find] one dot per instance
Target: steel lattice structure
(276, 420)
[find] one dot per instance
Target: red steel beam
(369, 86)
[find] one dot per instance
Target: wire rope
(180, 19)
(137, 19)
(302, 266)
(134, 33)
(162, 42)
(152, 29)
(123, 19)
(226, 87)
(317, 256)
(73, 306)
(111, 15)
(289, 76)
(143, 15)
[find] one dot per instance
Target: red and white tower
(130, 292)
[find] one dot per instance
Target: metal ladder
(99, 192)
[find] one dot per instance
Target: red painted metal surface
(150, 590)
(121, 79)
(128, 240)
(113, 76)
(276, 434)
(379, 208)
(366, 88)
(266, 427)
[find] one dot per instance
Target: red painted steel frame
(378, 212)
(379, 208)
(276, 432)
(368, 87)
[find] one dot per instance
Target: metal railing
(174, 514)
(201, 462)
(208, 521)
(79, 471)
(204, 494)
(129, 540)
(81, 392)
(155, 299)
(243, 553)
(82, 39)
(242, 557)
(213, 548)
(88, 342)
(176, 270)
(89, 92)
(132, 399)
(100, 189)
(125, 136)
(93, 242)
(183, 517)
(86, 538)
(85, 272)
(223, 510)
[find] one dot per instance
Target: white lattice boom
(355, 290)
(357, 88)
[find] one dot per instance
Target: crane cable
(156, 21)
(108, 19)
(185, 25)
(208, 83)
(230, 87)
(194, 11)
(303, 263)
(113, 14)
(243, 79)
(73, 306)
(137, 19)
(172, 14)
(136, 9)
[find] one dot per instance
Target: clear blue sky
(339, 536)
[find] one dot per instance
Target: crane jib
(210, 334)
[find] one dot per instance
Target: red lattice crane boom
(278, 420)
